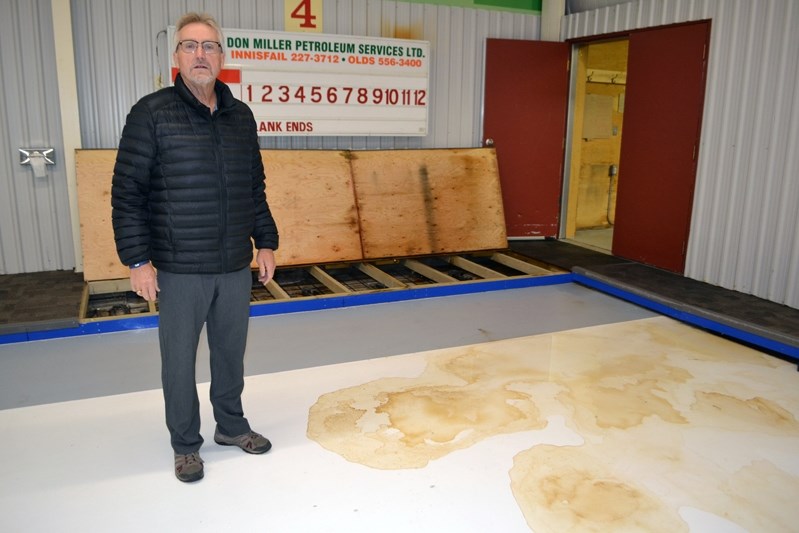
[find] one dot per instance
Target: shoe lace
(249, 439)
(188, 459)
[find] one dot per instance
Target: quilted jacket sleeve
(265, 234)
(131, 186)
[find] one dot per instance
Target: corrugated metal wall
(121, 53)
(35, 224)
(745, 225)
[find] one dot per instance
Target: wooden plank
(383, 277)
(84, 303)
(475, 268)
(328, 281)
(312, 199)
(277, 291)
(521, 266)
(418, 202)
(428, 271)
(595, 188)
(310, 193)
(94, 170)
(109, 286)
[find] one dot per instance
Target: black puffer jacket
(188, 186)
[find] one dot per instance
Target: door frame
(569, 197)
(572, 158)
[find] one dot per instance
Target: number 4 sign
(303, 15)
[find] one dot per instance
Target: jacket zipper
(222, 191)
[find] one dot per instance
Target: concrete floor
(85, 447)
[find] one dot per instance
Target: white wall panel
(120, 53)
(35, 224)
(745, 226)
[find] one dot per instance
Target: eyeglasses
(209, 47)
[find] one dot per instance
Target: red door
(524, 117)
(662, 121)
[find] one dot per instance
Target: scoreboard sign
(330, 85)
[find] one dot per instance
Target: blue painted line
(88, 328)
(690, 318)
(10, 338)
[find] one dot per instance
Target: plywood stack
(337, 205)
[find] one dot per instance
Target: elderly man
(188, 202)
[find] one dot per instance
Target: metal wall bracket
(47, 154)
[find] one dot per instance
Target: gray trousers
(185, 303)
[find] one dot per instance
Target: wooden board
(311, 197)
(335, 205)
(416, 202)
(94, 169)
(310, 194)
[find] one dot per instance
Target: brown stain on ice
(737, 414)
(622, 393)
(563, 489)
(635, 392)
(463, 397)
(442, 415)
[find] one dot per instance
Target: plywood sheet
(598, 118)
(310, 194)
(312, 199)
(335, 205)
(94, 169)
(416, 202)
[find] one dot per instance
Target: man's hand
(265, 259)
(144, 282)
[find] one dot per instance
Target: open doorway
(600, 77)
(651, 195)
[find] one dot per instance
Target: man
(188, 201)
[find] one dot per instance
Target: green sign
(529, 5)
(521, 6)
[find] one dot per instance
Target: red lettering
(361, 60)
(299, 126)
(267, 126)
(303, 12)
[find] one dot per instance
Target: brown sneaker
(188, 467)
(251, 442)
